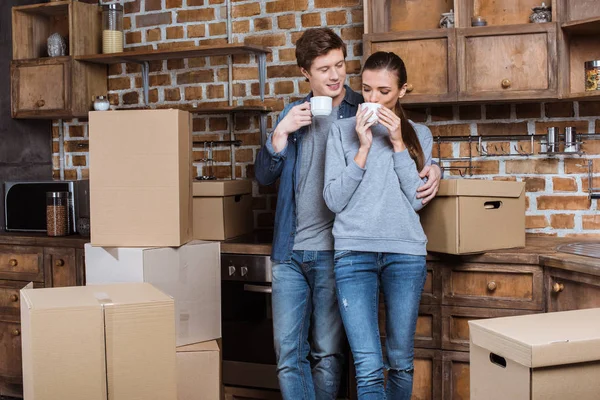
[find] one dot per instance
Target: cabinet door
(427, 378)
(10, 351)
(455, 323)
(456, 376)
(432, 290)
(60, 266)
(22, 263)
(430, 59)
(493, 285)
(427, 332)
(566, 290)
(41, 87)
(507, 63)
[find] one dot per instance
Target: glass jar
(112, 28)
(592, 75)
(57, 213)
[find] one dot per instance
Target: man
(304, 297)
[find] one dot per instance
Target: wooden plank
(588, 26)
(49, 9)
(86, 29)
(168, 54)
(572, 262)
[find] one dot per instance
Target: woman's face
(381, 86)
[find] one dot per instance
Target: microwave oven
(25, 203)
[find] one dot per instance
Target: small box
(110, 342)
(191, 274)
(222, 209)
(553, 356)
(473, 216)
(199, 371)
(140, 178)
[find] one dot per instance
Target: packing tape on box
(103, 298)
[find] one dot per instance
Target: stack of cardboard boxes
(147, 325)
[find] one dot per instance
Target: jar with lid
(112, 28)
(57, 213)
(592, 75)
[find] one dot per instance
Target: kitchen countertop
(41, 239)
(538, 250)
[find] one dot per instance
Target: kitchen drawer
(10, 297)
(427, 334)
(493, 285)
(21, 263)
(566, 290)
(10, 351)
(455, 323)
(432, 290)
(456, 375)
(60, 265)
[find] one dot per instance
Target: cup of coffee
(320, 105)
(371, 107)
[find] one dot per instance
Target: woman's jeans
(401, 277)
(307, 328)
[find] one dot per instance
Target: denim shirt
(271, 165)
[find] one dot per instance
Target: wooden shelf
(48, 9)
(139, 56)
(587, 26)
(205, 108)
(591, 95)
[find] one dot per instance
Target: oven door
(248, 351)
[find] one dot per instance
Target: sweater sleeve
(341, 179)
(406, 168)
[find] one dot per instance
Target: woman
(371, 181)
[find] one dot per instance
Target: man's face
(327, 74)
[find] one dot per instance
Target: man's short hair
(316, 42)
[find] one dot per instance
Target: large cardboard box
(191, 274)
(222, 209)
(554, 356)
(140, 178)
(472, 216)
(114, 342)
(199, 371)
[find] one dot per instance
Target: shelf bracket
(145, 78)
(263, 128)
(262, 74)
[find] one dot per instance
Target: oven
(247, 324)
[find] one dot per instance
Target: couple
(366, 178)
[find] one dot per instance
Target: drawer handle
(506, 83)
(14, 298)
(41, 103)
(16, 332)
(558, 287)
(409, 88)
(60, 262)
(13, 262)
(492, 286)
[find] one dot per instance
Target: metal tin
(571, 140)
(552, 139)
(592, 75)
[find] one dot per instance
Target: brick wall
(557, 203)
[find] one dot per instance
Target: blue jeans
(358, 277)
(305, 306)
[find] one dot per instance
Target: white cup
(320, 105)
(371, 107)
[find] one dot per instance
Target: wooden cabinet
(33, 258)
(566, 290)
(455, 375)
(55, 87)
(427, 377)
(430, 59)
(500, 63)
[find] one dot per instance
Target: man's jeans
(402, 276)
(305, 306)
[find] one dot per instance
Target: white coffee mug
(320, 105)
(371, 107)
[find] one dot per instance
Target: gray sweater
(376, 207)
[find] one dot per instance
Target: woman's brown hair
(316, 42)
(391, 62)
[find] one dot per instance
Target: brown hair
(391, 62)
(316, 42)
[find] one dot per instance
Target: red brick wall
(557, 202)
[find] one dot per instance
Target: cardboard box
(222, 209)
(140, 178)
(536, 357)
(114, 342)
(191, 274)
(199, 371)
(472, 216)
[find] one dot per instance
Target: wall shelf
(143, 58)
(588, 26)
